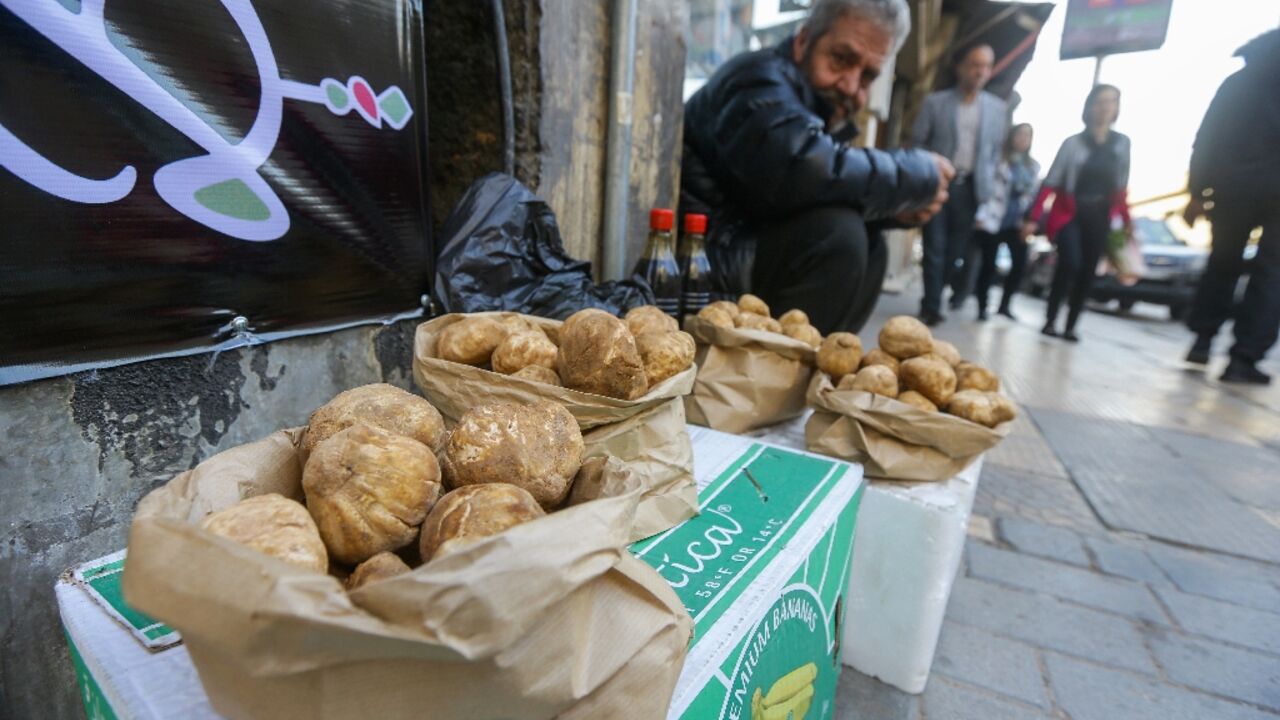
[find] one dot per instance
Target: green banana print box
(763, 571)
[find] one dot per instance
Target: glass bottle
(658, 265)
(695, 268)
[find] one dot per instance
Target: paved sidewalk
(1122, 559)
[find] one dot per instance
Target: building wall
(575, 105)
(79, 451)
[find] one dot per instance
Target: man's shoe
(1199, 353)
(931, 318)
(1048, 330)
(1243, 371)
(1071, 336)
(1005, 312)
(982, 314)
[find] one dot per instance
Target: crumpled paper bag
(893, 440)
(550, 619)
(649, 433)
(747, 379)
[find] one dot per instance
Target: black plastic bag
(501, 250)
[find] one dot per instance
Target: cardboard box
(764, 581)
(763, 571)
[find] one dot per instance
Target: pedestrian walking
(966, 125)
(1235, 179)
(1088, 182)
(1000, 219)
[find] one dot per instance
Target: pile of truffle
(914, 368)
(593, 351)
(751, 313)
(387, 488)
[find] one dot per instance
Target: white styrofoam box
(910, 540)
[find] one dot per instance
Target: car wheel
(1177, 312)
(1126, 305)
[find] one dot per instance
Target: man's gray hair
(892, 15)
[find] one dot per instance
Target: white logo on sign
(222, 190)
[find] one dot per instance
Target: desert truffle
(369, 490)
(876, 379)
(650, 319)
(985, 408)
(839, 354)
(794, 317)
(381, 405)
(915, 399)
(273, 525)
(947, 352)
(471, 340)
(880, 357)
(976, 377)
(717, 316)
(931, 377)
(522, 349)
(537, 447)
(905, 337)
(751, 304)
(379, 567)
(751, 321)
(538, 374)
(472, 513)
(598, 355)
(665, 354)
(805, 333)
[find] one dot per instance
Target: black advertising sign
(168, 167)
(1110, 27)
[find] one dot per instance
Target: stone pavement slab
(1093, 692)
(1125, 560)
(1117, 595)
(1216, 668)
(988, 661)
(953, 701)
(1043, 540)
(1004, 491)
(1224, 621)
(1218, 577)
(861, 697)
(1134, 487)
(1025, 449)
(1047, 622)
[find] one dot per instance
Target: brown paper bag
(550, 619)
(891, 439)
(747, 379)
(649, 434)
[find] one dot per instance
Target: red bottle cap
(661, 219)
(695, 223)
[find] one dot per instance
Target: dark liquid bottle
(695, 268)
(658, 264)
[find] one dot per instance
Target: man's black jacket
(756, 149)
(1237, 148)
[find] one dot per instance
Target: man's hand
(1193, 211)
(1027, 229)
(945, 174)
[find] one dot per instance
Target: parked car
(1173, 271)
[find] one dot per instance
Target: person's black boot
(932, 318)
(1199, 353)
(1004, 310)
(1070, 335)
(982, 313)
(1048, 330)
(1243, 371)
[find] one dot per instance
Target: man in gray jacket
(966, 125)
